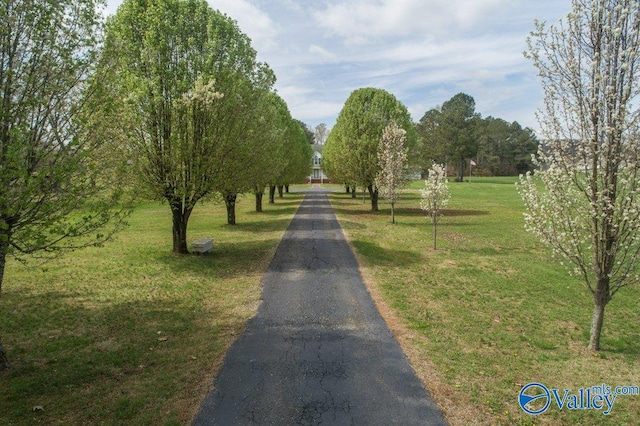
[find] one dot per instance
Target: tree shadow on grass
(272, 225)
(626, 345)
(407, 212)
(73, 351)
(377, 255)
(227, 260)
(266, 211)
(347, 225)
(365, 211)
(416, 211)
(315, 207)
(282, 201)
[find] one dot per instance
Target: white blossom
(392, 162)
(435, 195)
(584, 201)
(203, 93)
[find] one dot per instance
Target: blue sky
(422, 51)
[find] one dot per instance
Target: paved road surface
(318, 351)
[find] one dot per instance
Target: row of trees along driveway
(350, 154)
(584, 199)
(452, 134)
(202, 117)
(173, 100)
(165, 101)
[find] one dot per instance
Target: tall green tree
(494, 153)
(523, 143)
(241, 127)
(273, 122)
(309, 133)
(448, 134)
(457, 130)
(505, 149)
(165, 51)
(303, 157)
(455, 133)
(432, 149)
(298, 156)
(60, 185)
(332, 163)
(280, 127)
(351, 151)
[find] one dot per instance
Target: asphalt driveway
(317, 352)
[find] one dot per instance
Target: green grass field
(490, 310)
(130, 333)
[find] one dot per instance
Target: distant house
(317, 175)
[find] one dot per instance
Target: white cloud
(252, 21)
(322, 54)
(298, 92)
(423, 51)
(316, 112)
(311, 104)
(112, 6)
(362, 22)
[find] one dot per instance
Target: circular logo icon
(534, 398)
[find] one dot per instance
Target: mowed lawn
(130, 333)
(490, 310)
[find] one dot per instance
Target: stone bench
(202, 246)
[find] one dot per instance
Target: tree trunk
(4, 248)
(393, 214)
(259, 201)
(280, 190)
(435, 233)
(353, 192)
(286, 188)
(347, 188)
(373, 193)
(601, 298)
(4, 361)
(272, 194)
(460, 177)
(180, 220)
(596, 327)
(230, 202)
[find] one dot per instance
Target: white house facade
(317, 174)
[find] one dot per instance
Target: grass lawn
(130, 333)
(490, 310)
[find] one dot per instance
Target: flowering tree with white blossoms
(435, 196)
(392, 162)
(588, 206)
